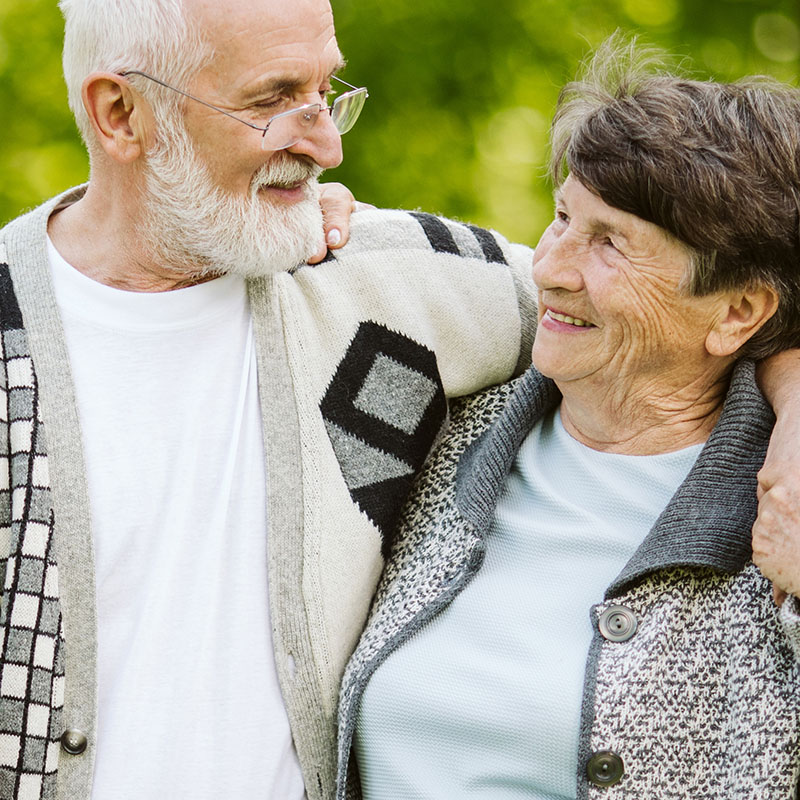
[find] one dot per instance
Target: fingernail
(334, 236)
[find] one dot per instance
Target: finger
(337, 203)
(319, 255)
(779, 595)
(766, 478)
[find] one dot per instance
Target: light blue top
(484, 702)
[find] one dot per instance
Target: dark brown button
(73, 741)
(605, 768)
(617, 624)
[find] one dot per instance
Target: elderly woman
(571, 609)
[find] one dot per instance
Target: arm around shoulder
(463, 291)
(776, 533)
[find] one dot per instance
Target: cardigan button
(605, 768)
(73, 741)
(617, 624)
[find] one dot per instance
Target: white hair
(154, 36)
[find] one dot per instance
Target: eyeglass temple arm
(196, 99)
(349, 85)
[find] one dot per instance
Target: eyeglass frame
(265, 128)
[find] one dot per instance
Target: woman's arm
(776, 533)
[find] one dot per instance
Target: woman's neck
(646, 420)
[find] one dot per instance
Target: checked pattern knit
(383, 410)
(32, 678)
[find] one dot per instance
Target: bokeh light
(777, 37)
(461, 94)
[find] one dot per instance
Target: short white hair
(154, 36)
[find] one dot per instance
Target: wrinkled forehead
(253, 39)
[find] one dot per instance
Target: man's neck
(99, 237)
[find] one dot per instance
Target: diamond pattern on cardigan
(32, 677)
(383, 410)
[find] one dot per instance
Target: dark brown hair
(717, 165)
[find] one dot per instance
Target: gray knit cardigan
(703, 699)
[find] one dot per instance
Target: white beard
(195, 229)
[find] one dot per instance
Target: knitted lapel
(706, 524)
(484, 467)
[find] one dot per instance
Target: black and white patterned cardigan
(702, 701)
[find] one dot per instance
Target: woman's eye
(562, 216)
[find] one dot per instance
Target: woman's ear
(120, 116)
(742, 315)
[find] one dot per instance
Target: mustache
(286, 170)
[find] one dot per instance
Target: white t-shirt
(485, 701)
(189, 702)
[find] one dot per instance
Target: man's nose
(322, 143)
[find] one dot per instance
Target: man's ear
(120, 117)
(742, 314)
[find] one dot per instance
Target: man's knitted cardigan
(355, 359)
(700, 699)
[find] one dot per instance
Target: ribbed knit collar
(709, 519)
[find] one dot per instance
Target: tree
(460, 93)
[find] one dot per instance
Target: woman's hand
(776, 533)
(337, 203)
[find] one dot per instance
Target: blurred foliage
(460, 92)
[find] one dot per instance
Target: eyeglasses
(289, 127)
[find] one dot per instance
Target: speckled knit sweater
(701, 699)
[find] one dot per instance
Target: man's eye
(272, 103)
(562, 216)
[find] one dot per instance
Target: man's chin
(288, 238)
(197, 230)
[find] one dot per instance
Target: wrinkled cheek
(653, 343)
(630, 343)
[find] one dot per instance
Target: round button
(605, 768)
(617, 624)
(74, 741)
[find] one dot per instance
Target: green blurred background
(461, 92)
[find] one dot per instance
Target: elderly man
(207, 447)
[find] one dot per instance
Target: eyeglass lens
(347, 108)
(290, 127)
